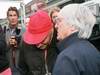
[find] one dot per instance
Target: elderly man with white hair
(78, 56)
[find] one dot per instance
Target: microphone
(18, 31)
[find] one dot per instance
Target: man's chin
(13, 24)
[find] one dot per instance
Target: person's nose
(56, 26)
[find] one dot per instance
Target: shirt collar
(8, 28)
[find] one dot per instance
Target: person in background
(27, 22)
(38, 48)
(39, 5)
(53, 13)
(78, 56)
(12, 36)
(4, 64)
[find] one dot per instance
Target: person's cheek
(59, 33)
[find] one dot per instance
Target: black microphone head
(18, 31)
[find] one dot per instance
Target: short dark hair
(13, 9)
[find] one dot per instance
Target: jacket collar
(68, 41)
(9, 28)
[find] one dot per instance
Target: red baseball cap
(39, 26)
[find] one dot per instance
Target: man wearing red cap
(38, 50)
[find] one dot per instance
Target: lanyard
(46, 66)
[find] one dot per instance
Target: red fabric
(39, 26)
(6, 72)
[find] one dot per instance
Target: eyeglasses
(44, 44)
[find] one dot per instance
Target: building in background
(29, 8)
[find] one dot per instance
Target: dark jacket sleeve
(3, 59)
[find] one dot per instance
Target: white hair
(80, 17)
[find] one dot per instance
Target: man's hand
(12, 41)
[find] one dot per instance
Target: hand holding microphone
(13, 41)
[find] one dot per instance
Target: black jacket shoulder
(4, 64)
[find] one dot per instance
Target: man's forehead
(12, 11)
